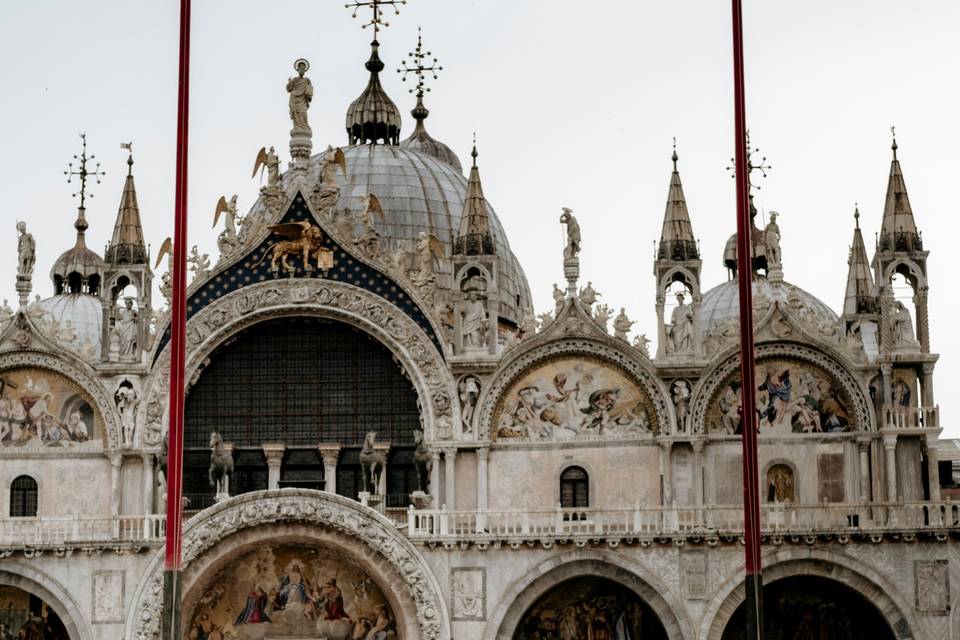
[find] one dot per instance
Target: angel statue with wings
(371, 209)
(302, 239)
(228, 207)
(270, 161)
(427, 249)
(332, 160)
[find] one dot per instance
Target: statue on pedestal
(680, 331)
(26, 250)
(301, 93)
(474, 323)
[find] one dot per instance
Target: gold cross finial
(82, 172)
(418, 68)
(893, 134)
(376, 6)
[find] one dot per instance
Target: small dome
(423, 142)
(420, 193)
(373, 116)
(84, 314)
(721, 305)
(78, 270)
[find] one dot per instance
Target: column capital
(435, 454)
(886, 368)
(330, 453)
(483, 453)
(116, 460)
(863, 443)
(928, 367)
(449, 451)
(698, 445)
(889, 441)
(273, 452)
(147, 458)
(666, 445)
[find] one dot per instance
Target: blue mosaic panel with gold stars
(251, 270)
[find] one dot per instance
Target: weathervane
(376, 6)
(82, 172)
(762, 166)
(418, 67)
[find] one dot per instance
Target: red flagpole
(178, 330)
(748, 388)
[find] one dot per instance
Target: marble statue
(166, 287)
(423, 460)
(622, 324)
(771, 240)
(572, 249)
(474, 322)
(528, 326)
(301, 93)
(680, 393)
(642, 342)
(229, 208)
(426, 249)
(373, 461)
(903, 326)
(680, 330)
(332, 160)
(469, 389)
(270, 161)
(558, 297)
(602, 315)
(126, 329)
(26, 250)
(127, 400)
(589, 295)
(5, 312)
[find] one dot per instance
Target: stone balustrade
(77, 530)
(895, 417)
(777, 519)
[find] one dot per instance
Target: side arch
(525, 591)
(17, 574)
(820, 563)
(239, 310)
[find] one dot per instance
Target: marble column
(330, 453)
(435, 478)
(887, 378)
(661, 329)
(890, 449)
(273, 452)
(698, 446)
(116, 467)
(148, 483)
(863, 445)
(666, 481)
(933, 468)
(926, 387)
(450, 475)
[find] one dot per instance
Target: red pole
(748, 388)
(178, 330)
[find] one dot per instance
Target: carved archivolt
(232, 313)
(574, 346)
(303, 507)
(709, 385)
(79, 375)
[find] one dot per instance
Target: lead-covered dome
(721, 305)
(420, 193)
(77, 318)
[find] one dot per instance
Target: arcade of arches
(299, 382)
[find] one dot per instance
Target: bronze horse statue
(423, 460)
(372, 461)
(221, 464)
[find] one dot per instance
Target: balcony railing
(776, 519)
(911, 417)
(58, 531)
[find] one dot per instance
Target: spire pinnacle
(898, 232)
(860, 296)
(127, 245)
(474, 236)
(893, 134)
(856, 215)
(677, 241)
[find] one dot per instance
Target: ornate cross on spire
(761, 166)
(418, 66)
(377, 8)
(82, 172)
(893, 134)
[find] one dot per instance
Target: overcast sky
(574, 104)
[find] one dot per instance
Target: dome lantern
(373, 116)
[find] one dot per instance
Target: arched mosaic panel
(42, 408)
(573, 397)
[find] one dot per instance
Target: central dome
(420, 193)
(721, 305)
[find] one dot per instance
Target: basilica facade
(383, 440)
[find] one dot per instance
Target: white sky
(574, 104)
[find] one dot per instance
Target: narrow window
(23, 497)
(574, 488)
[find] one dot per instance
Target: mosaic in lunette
(573, 398)
(42, 408)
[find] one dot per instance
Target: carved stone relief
(932, 580)
(108, 597)
(468, 593)
(694, 574)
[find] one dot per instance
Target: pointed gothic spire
(474, 236)
(127, 246)
(899, 230)
(677, 241)
(373, 116)
(860, 296)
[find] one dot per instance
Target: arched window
(574, 488)
(23, 497)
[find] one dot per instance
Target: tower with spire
(678, 260)
(904, 343)
(861, 307)
(126, 265)
(475, 303)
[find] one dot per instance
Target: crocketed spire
(899, 230)
(860, 296)
(676, 239)
(127, 246)
(373, 117)
(474, 237)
